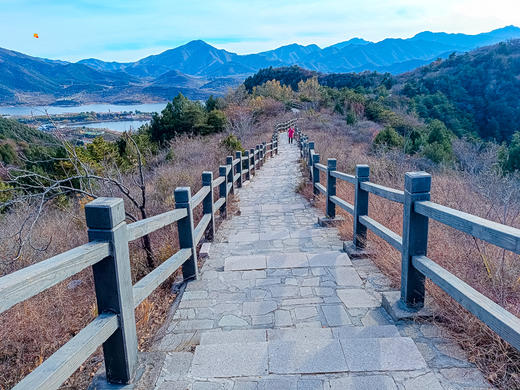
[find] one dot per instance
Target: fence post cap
(238, 154)
(207, 176)
(362, 170)
(315, 157)
(182, 194)
(417, 182)
(331, 163)
(246, 152)
(105, 213)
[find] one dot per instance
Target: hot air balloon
(36, 36)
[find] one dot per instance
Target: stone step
(305, 356)
(286, 260)
(297, 335)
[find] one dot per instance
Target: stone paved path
(279, 306)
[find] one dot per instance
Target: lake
(116, 126)
(40, 110)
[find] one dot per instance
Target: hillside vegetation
(471, 95)
(18, 140)
(482, 85)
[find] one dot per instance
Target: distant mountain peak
(187, 66)
(197, 43)
(352, 41)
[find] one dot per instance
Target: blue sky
(126, 30)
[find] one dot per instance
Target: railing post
(185, 230)
(315, 173)
(222, 190)
(239, 168)
(264, 152)
(229, 162)
(113, 283)
(258, 159)
(360, 206)
(252, 165)
(248, 165)
(331, 188)
(207, 203)
(415, 238)
(310, 146)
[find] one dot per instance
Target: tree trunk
(147, 245)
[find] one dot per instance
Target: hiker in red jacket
(290, 132)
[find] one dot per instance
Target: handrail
(417, 211)
(201, 227)
(383, 232)
(343, 176)
(383, 192)
(321, 188)
(321, 167)
(505, 324)
(29, 281)
(144, 287)
(219, 203)
(219, 180)
(61, 364)
(343, 204)
(503, 236)
(199, 196)
(108, 253)
(146, 226)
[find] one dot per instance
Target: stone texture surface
(279, 306)
(306, 357)
(229, 360)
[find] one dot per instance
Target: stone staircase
(280, 306)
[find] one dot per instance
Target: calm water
(116, 126)
(40, 110)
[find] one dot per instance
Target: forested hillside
(483, 85)
(475, 93)
(17, 139)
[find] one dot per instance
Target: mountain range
(198, 69)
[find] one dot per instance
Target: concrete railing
(108, 255)
(417, 210)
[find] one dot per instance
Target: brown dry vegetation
(490, 270)
(32, 330)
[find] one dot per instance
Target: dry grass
(32, 330)
(490, 270)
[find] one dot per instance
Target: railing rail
(108, 255)
(417, 210)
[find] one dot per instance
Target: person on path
(290, 132)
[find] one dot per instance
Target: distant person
(290, 132)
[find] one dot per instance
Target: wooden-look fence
(107, 252)
(417, 210)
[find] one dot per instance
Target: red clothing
(291, 132)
